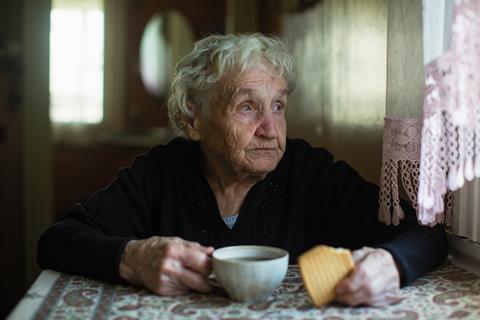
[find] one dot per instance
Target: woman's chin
(261, 166)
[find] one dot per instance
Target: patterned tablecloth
(448, 292)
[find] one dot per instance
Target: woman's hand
(374, 280)
(168, 266)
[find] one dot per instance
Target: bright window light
(76, 62)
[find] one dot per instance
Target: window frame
(114, 75)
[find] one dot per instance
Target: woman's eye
(246, 107)
(277, 106)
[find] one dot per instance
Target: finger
(344, 286)
(370, 290)
(367, 293)
(172, 286)
(179, 241)
(356, 298)
(353, 281)
(195, 281)
(189, 255)
(373, 276)
(167, 286)
(359, 254)
(388, 298)
(195, 260)
(189, 278)
(360, 277)
(206, 250)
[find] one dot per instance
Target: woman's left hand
(374, 280)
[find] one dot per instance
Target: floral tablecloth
(448, 292)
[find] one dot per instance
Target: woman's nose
(267, 128)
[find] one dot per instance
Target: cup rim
(282, 254)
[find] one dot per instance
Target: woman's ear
(192, 124)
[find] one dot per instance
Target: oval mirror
(167, 37)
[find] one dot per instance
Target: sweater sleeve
(354, 206)
(89, 240)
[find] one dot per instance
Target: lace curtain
(448, 152)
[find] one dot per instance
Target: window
(76, 61)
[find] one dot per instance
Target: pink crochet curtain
(448, 151)
(401, 162)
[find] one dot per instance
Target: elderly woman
(232, 177)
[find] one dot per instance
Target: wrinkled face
(247, 133)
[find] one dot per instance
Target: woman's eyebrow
(282, 93)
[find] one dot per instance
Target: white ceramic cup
(250, 273)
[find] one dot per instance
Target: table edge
(26, 308)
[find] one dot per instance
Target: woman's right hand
(168, 266)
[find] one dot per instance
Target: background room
(83, 86)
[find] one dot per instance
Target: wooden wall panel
(79, 171)
(340, 48)
(405, 77)
(143, 110)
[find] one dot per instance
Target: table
(448, 292)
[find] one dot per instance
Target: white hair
(214, 57)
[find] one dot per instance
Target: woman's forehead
(250, 80)
(238, 84)
(278, 91)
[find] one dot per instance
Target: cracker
(322, 268)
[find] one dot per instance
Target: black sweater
(308, 199)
